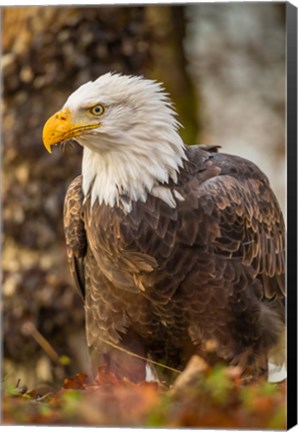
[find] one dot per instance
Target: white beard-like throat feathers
(119, 177)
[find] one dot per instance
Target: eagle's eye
(97, 110)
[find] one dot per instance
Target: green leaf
(64, 360)
(218, 384)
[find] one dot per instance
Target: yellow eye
(97, 110)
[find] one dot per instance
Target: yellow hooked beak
(60, 127)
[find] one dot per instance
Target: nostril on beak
(60, 117)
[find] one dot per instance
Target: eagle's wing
(246, 225)
(250, 226)
(75, 235)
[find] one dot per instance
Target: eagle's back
(166, 280)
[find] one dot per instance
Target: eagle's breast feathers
(210, 267)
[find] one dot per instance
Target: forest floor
(200, 396)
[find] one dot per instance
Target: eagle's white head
(128, 128)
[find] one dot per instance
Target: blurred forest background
(224, 66)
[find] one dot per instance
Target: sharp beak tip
(47, 144)
(48, 148)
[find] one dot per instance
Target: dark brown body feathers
(162, 281)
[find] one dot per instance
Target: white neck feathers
(132, 170)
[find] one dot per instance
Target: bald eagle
(170, 246)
